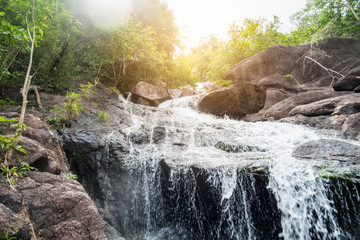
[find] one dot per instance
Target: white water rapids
(221, 147)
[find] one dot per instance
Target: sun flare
(201, 18)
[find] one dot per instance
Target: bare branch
(352, 10)
(332, 73)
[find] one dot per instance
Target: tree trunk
(27, 81)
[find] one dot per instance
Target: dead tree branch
(352, 10)
(332, 73)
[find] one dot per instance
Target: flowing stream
(203, 177)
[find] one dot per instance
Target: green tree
(155, 13)
(213, 58)
(330, 18)
(181, 74)
(130, 54)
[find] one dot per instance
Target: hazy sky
(200, 18)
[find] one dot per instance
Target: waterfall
(204, 177)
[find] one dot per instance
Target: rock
(343, 105)
(174, 93)
(235, 101)
(237, 148)
(153, 94)
(293, 83)
(284, 107)
(58, 207)
(158, 134)
(274, 96)
(187, 92)
(328, 149)
(357, 90)
(15, 225)
(215, 88)
(279, 81)
(44, 148)
(349, 83)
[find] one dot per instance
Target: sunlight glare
(201, 18)
(108, 13)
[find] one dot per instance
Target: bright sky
(201, 18)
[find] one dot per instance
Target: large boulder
(281, 61)
(148, 94)
(349, 83)
(187, 92)
(56, 206)
(174, 93)
(342, 105)
(44, 148)
(294, 77)
(284, 107)
(235, 101)
(328, 149)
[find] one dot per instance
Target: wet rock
(174, 93)
(346, 105)
(237, 148)
(283, 108)
(158, 134)
(328, 149)
(187, 92)
(235, 101)
(153, 94)
(58, 207)
(357, 90)
(349, 83)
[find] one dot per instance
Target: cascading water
(202, 177)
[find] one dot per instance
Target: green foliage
(71, 176)
(87, 90)
(72, 109)
(130, 54)
(58, 123)
(10, 141)
(102, 115)
(324, 18)
(73, 105)
(4, 235)
(213, 58)
(293, 78)
(180, 74)
(4, 103)
(13, 173)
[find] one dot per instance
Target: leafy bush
(4, 103)
(71, 176)
(102, 115)
(87, 90)
(72, 109)
(7, 143)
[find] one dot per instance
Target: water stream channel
(203, 177)
(174, 173)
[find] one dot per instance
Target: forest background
(69, 48)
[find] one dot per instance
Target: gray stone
(328, 149)
(235, 101)
(152, 94)
(349, 83)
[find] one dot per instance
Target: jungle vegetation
(69, 47)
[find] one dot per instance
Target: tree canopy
(69, 47)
